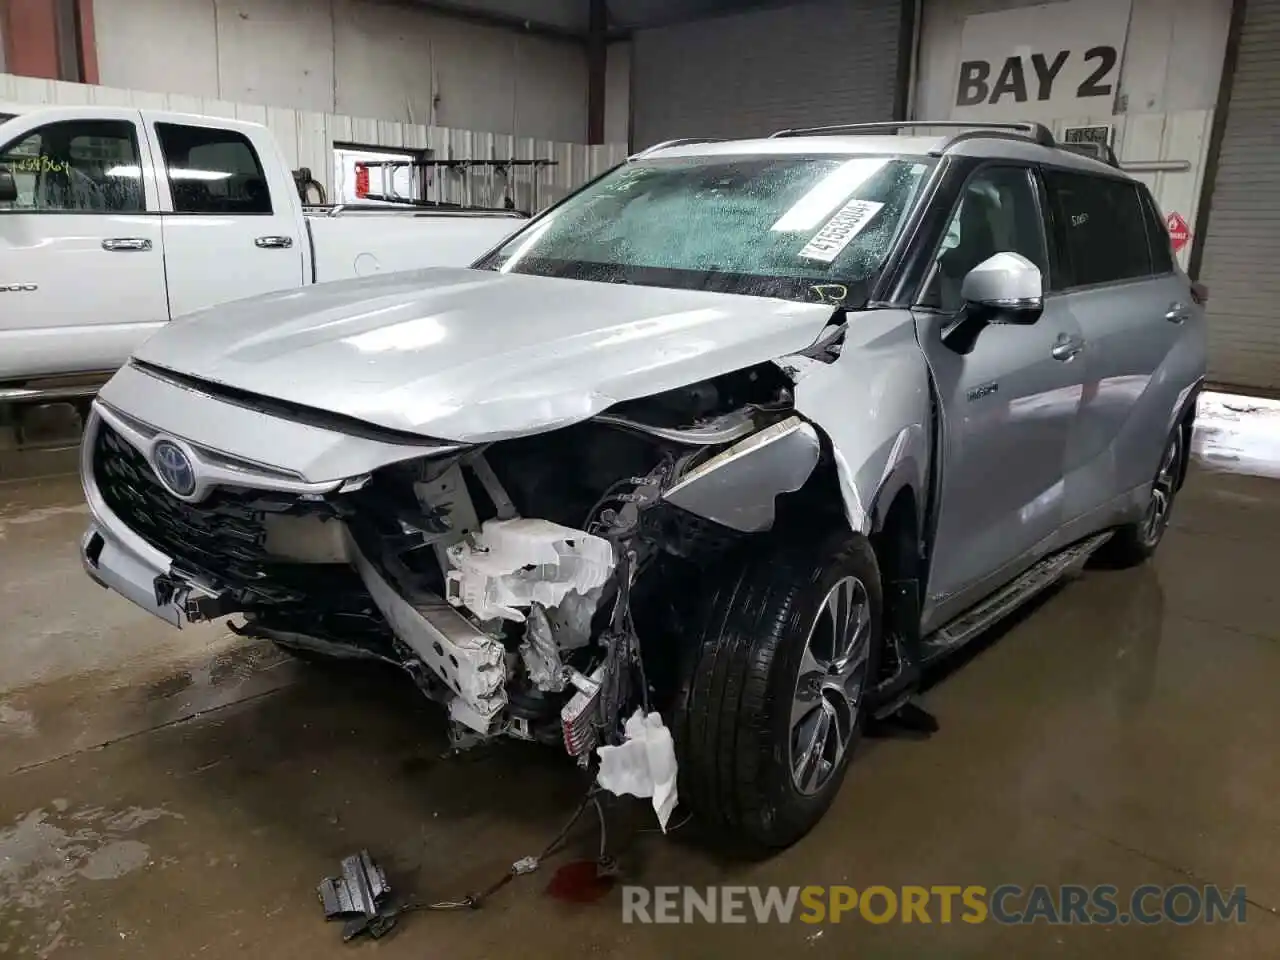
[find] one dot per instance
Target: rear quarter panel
(1141, 372)
(1182, 353)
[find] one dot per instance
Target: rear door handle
(1178, 313)
(126, 244)
(274, 243)
(1067, 347)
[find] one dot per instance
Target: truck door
(81, 255)
(231, 224)
(1132, 305)
(1008, 401)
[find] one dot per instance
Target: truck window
(212, 170)
(997, 213)
(1101, 227)
(1157, 236)
(76, 166)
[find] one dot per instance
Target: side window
(998, 213)
(1101, 226)
(1157, 235)
(212, 170)
(76, 166)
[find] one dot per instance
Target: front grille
(221, 539)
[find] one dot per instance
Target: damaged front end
(536, 586)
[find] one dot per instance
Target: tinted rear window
(1101, 226)
(1157, 235)
(212, 170)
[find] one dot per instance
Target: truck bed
(345, 243)
(348, 243)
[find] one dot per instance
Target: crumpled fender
(874, 405)
(871, 407)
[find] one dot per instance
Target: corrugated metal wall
(753, 73)
(393, 61)
(307, 138)
(1242, 244)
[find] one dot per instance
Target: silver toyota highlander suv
(737, 438)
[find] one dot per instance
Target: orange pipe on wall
(30, 29)
(88, 42)
(31, 38)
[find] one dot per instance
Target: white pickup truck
(115, 220)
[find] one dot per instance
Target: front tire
(770, 707)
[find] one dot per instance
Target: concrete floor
(179, 795)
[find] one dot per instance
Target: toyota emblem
(174, 468)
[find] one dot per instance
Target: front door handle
(1178, 313)
(1067, 347)
(126, 244)
(274, 243)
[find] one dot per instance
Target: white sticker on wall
(835, 235)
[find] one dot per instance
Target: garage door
(1242, 243)
(753, 73)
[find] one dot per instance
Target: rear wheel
(1133, 543)
(771, 704)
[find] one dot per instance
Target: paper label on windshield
(835, 235)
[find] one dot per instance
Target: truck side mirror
(1005, 288)
(8, 186)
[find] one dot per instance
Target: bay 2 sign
(1049, 62)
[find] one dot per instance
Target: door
(1133, 307)
(750, 72)
(1240, 242)
(1008, 401)
(231, 228)
(81, 256)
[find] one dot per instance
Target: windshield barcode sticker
(835, 235)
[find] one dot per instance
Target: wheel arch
(1186, 421)
(866, 497)
(897, 539)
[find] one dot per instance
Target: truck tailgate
(360, 245)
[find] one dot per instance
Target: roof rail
(1035, 131)
(674, 143)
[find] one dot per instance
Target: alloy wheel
(1162, 490)
(830, 685)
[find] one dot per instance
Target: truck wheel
(1133, 543)
(770, 706)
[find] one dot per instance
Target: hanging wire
(525, 865)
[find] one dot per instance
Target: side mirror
(1004, 288)
(8, 187)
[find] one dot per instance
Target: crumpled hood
(472, 355)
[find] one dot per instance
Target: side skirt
(1010, 597)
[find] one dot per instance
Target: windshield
(797, 227)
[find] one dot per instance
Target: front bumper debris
(112, 566)
(470, 663)
(171, 597)
(360, 897)
(117, 558)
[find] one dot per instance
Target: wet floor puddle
(45, 851)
